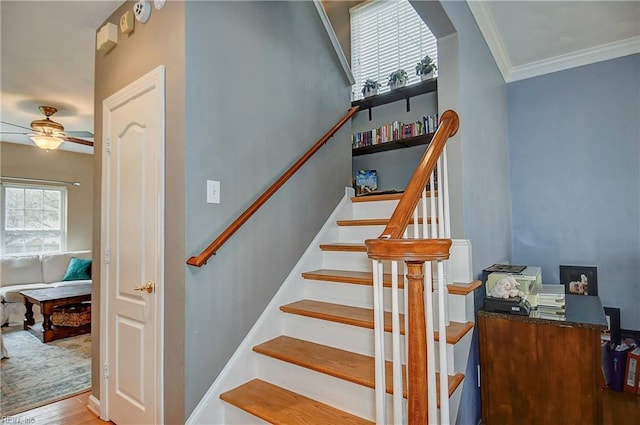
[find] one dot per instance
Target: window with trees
(33, 219)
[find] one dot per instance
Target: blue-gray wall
(262, 85)
(575, 180)
(479, 97)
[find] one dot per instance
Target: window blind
(387, 35)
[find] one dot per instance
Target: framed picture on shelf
(579, 280)
(612, 333)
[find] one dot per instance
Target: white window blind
(33, 219)
(387, 35)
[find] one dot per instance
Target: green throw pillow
(79, 269)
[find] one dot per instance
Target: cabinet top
(581, 311)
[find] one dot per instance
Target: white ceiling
(48, 59)
(531, 38)
(48, 49)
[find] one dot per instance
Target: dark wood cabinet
(535, 371)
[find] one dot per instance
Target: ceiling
(48, 49)
(48, 59)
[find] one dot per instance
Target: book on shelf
(366, 181)
(394, 131)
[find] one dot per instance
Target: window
(33, 219)
(387, 36)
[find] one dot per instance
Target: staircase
(310, 357)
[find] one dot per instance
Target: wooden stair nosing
(363, 317)
(366, 278)
(385, 197)
(280, 406)
(349, 276)
(374, 221)
(347, 247)
(463, 288)
(342, 364)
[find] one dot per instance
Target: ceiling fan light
(48, 143)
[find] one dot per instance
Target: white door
(132, 244)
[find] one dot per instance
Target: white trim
(587, 56)
(511, 73)
(93, 405)
(334, 41)
(153, 79)
(488, 28)
(227, 377)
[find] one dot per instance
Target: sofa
(21, 273)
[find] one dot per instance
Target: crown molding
(488, 28)
(600, 53)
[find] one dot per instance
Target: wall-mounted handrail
(210, 250)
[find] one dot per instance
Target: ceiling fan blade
(82, 134)
(14, 132)
(76, 140)
(16, 125)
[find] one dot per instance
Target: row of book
(394, 131)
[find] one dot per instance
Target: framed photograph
(612, 333)
(579, 280)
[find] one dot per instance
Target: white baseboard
(94, 405)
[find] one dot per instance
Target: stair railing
(423, 250)
(213, 247)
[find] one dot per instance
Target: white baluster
(395, 338)
(378, 327)
(431, 348)
(442, 348)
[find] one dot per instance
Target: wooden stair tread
(384, 197)
(363, 317)
(463, 288)
(349, 276)
(374, 221)
(279, 406)
(352, 367)
(348, 247)
(366, 278)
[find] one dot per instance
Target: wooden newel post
(417, 385)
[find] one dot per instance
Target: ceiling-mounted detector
(142, 11)
(159, 4)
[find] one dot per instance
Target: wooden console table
(537, 371)
(48, 299)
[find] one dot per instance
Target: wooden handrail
(447, 128)
(201, 259)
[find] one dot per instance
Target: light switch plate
(213, 192)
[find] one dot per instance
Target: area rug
(36, 374)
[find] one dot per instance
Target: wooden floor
(619, 409)
(70, 411)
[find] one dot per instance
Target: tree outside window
(34, 219)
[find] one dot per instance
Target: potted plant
(398, 79)
(425, 68)
(370, 88)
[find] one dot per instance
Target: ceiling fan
(48, 134)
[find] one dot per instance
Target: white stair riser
(341, 394)
(347, 294)
(340, 260)
(360, 340)
(362, 210)
(461, 308)
(358, 234)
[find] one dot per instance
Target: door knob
(147, 287)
